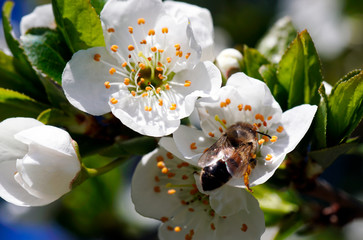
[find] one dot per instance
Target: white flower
(38, 163)
(164, 188)
(248, 100)
(42, 16)
(228, 61)
(149, 74)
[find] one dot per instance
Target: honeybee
(233, 155)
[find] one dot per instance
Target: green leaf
(79, 24)
(268, 73)
(277, 39)
(345, 108)
(44, 49)
(320, 121)
(252, 61)
(15, 104)
(299, 71)
(21, 64)
(98, 5)
(325, 157)
(136, 146)
(289, 226)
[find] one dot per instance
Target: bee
(233, 155)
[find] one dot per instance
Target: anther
(158, 90)
(244, 228)
(169, 155)
(187, 55)
(142, 66)
(211, 134)
(141, 21)
(268, 157)
(165, 170)
(280, 129)
(240, 107)
(167, 87)
(147, 108)
(157, 189)
(130, 48)
(110, 30)
(269, 118)
(228, 101)
(153, 49)
(179, 53)
(131, 29)
(168, 59)
(148, 88)
(107, 85)
(114, 48)
(193, 146)
(143, 42)
(177, 229)
(171, 174)
(223, 104)
(97, 57)
(164, 219)
(173, 106)
(273, 139)
(151, 32)
(164, 30)
(212, 226)
(259, 117)
(159, 69)
(177, 47)
(248, 108)
(160, 164)
(261, 141)
(187, 83)
(159, 158)
(124, 64)
(145, 94)
(171, 191)
(126, 81)
(160, 76)
(157, 179)
(160, 50)
(112, 71)
(113, 100)
(133, 93)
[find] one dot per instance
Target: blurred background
(101, 208)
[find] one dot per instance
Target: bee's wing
(238, 162)
(220, 150)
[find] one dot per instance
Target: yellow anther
(261, 141)
(187, 83)
(114, 48)
(133, 93)
(131, 29)
(177, 229)
(147, 108)
(97, 57)
(151, 32)
(248, 108)
(280, 129)
(110, 30)
(113, 100)
(173, 106)
(130, 47)
(167, 87)
(266, 138)
(148, 88)
(160, 50)
(124, 64)
(158, 90)
(164, 30)
(211, 134)
(160, 164)
(142, 66)
(144, 94)
(141, 21)
(143, 42)
(153, 49)
(179, 53)
(193, 146)
(159, 69)
(160, 64)
(269, 118)
(168, 59)
(177, 47)
(112, 71)
(223, 104)
(160, 76)
(240, 107)
(187, 55)
(160, 102)
(228, 101)
(273, 138)
(126, 81)
(259, 117)
(268, 157)
(107, 85)
(253, 156)
(171, 191)
(165, 170)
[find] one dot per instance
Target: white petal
(48, 137)
(168, 144)
(185, 136)
(142, 189)
(46, 173)
(83, 80)
(10, 148)
(201, 24)
(12, 192)
(42, 16)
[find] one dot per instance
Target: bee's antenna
(264, 134)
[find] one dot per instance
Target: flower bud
(228, 61)
(38, 163)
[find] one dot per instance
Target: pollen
(187, 55)
(177, 47)
(266, 138)
(173, 106)
(160, 50)
(161, 76)
(171, 191)
(187, 83)
(112, 71)
(273, 139)
(211, 134)
(269, 118)
(167, 87)
(107, 85)
(168, 59)
(261, 141)
(193, 146)
(280, 129)
(141, 21)
(259, 117)
(143, 41)
(110, 30)
(160, 164)
(114, 48)
(179, 53)
(130, 47)
(212, 226)
(165, 170)
(142, 66)
(240, 107)
(223, 104)
(177, 229)
(159, 69)
(169, 155)
(160, 102)
(268, 157)
(113, 100)
(131, 29)
(148, 88)
(151, 32)
(145, 94)
(158, 90)
(164, 219)
(228, 101)
(244, 228)
(133, 93)
(164, 30)
(248, 108)
(157, 189)
(97, 57)
(126, 81)
(154, 49)
(148, 108)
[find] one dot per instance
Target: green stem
(93, 172)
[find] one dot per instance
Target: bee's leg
(246, 177)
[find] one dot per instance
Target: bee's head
(241, 133)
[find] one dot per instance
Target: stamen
(171, 191)
(211, 134)
(248, 108)
(177, 47)
(133, 93)
(216, 117)
(126, 81)
(153, 49)
(97, 57)
(160, 164)
(261, 141)
(148, 109)
(112, 71)
(157, 189)
(165, 170)
(173, 106)
(159, 69)
(114, 48)
(228, 101)
(164, 219)
(187, 83)
(179, 53)
(167, 87)
(145, 94)
(168, 59)
(151, 32)
(142, 66)
(164, 30)
(131, 29)
(212, 226)
(185, 177)
(141, 21)
(259, 117)
(143, 41)
(273, 139)
(130, 47)
(107, 85)
(223, 104)
(244, 228)
(193, 146)
(160, 76)
(268, 157)
(148, 88)
(160, 50)
(124, 64)
(110, 30)
(280, 129)
(177, 229)
(187, 55)
(113, 100)
(240, 107)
